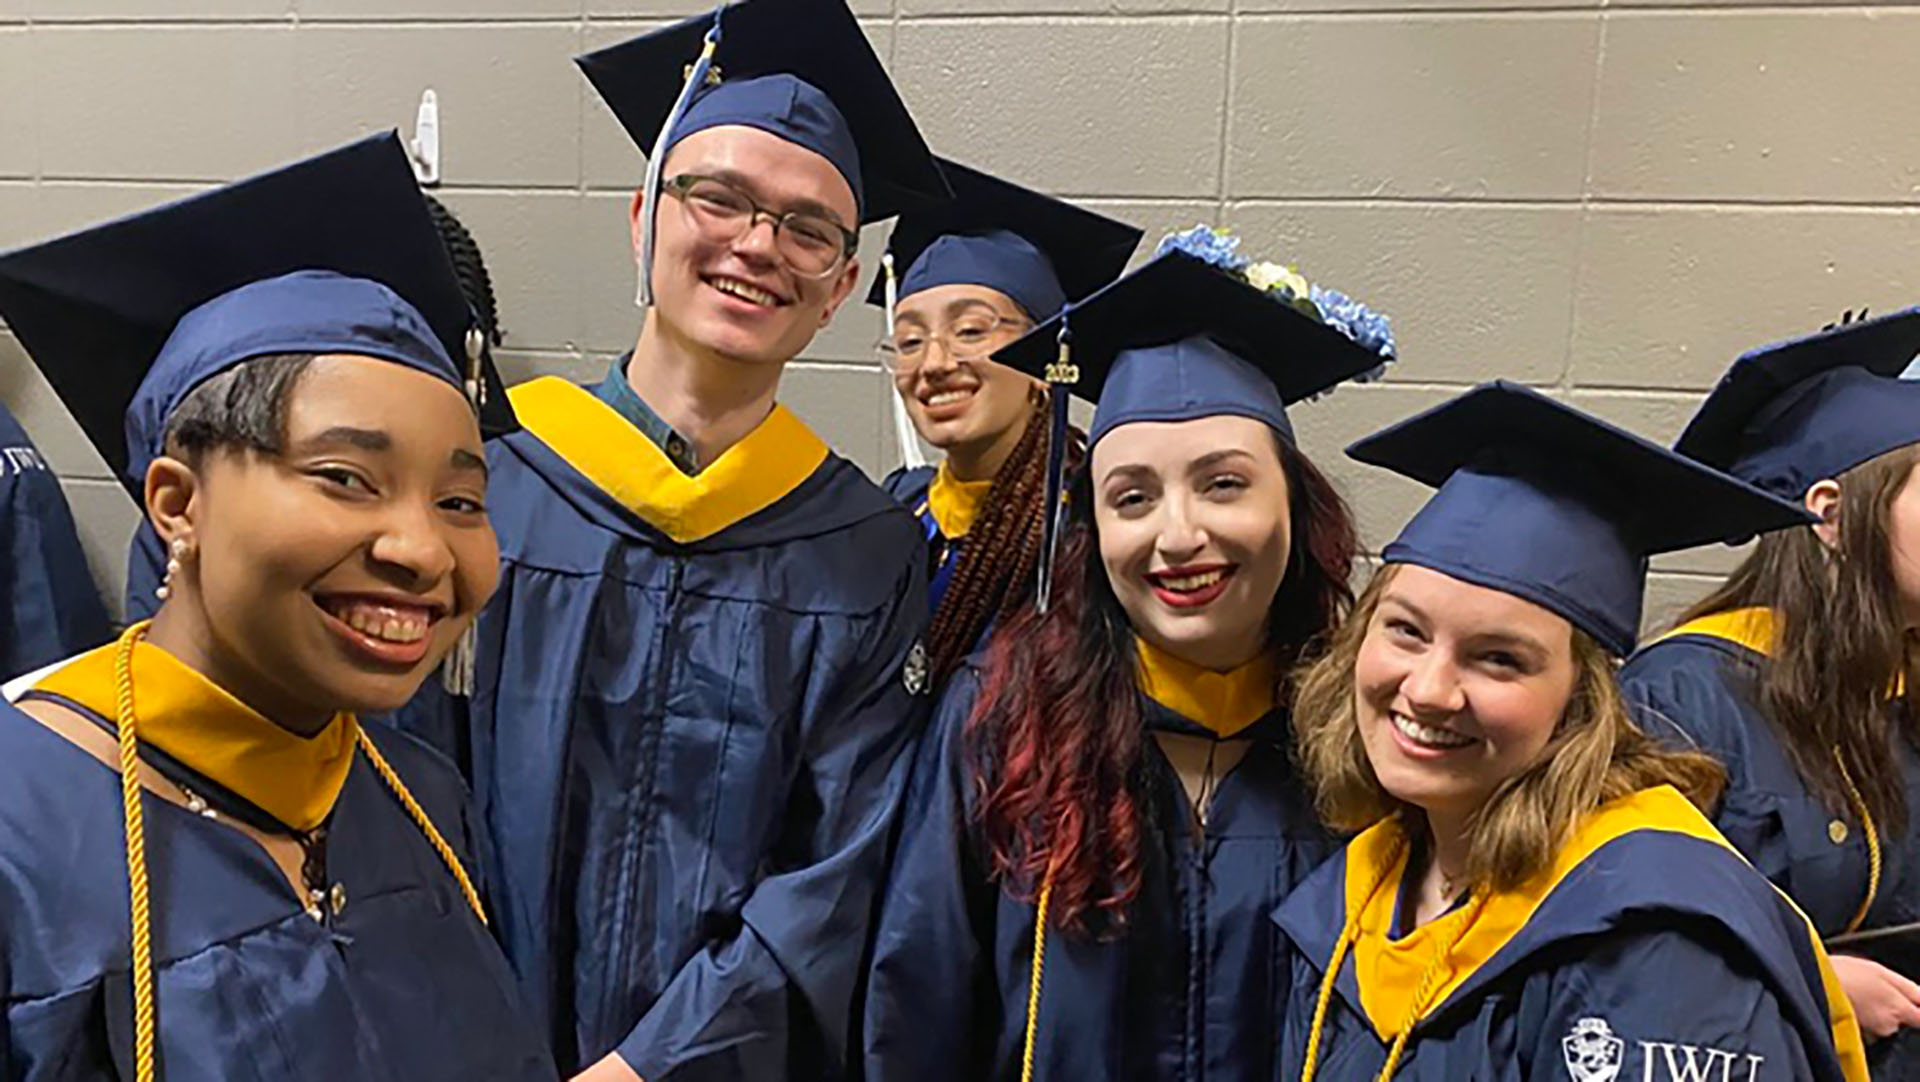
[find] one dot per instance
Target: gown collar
(197, 724)
(591, 437)
(1225, 704)
(955, 504)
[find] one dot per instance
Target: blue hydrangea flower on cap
(1217, 246)
(1367, 328)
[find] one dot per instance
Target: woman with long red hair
(1104, 812)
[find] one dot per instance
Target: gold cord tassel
(1038, 966)
(139, 888)
(145, 1019)
(420, 819)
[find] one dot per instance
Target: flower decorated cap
(798, 69)
(1539, 500)
(1790, 414)
(1188, 336)
(335, 254)
(1198, 332)
(1039, 251)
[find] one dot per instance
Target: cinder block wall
(1608, 200)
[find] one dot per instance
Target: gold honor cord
(1873, 844)
(1351, 933)
(145, 1027)
(1033, 983)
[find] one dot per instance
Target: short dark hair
(242, 409)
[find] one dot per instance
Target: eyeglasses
(813, 245)
(971, 336)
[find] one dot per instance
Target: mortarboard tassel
(696, 77)
(903, 434)
(1061, 374)
(456, 670)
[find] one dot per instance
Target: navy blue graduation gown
(1658, 957)
(909, 489)
(1188, 992)
(688, 753)
(49, 605)
(403, 984)
(1700, 690)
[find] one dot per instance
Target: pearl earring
(174, 552)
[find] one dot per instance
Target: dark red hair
(1055, 739)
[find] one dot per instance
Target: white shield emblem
(1593, 1053)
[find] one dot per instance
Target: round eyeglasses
(813, 245)
(970, 337)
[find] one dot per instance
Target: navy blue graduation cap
(335, 254)
(1796, 412)
(1180, 339)
(1541, 501)
(1038, 250)
(799, 69)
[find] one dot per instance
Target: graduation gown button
(1837, 832)
(337, 898)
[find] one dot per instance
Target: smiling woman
(1105, 810)
(1528, 863)
(297, 468)
(978, 272)
(230, 834)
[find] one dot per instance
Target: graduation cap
(1796, 412)
(1539, 500)
(334, 254)
(1176, 340)
(798, 69)
(1039, 251)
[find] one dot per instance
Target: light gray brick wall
(1604, 199)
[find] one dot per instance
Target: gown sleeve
(779, 987)
(48, 601)
(1670, 1004)
(929, 979)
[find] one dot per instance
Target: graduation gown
(1187, 992)
(1697, 686)
(693, 697)
(909, 488)
(1648, 952)
(400, 982)
(49, 606)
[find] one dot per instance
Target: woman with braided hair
(980, 271)
(1534, 891)
(1104, 812)
(209, 867)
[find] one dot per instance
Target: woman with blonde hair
(1796, 672)
(1533, 887)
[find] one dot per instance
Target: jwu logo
(1594, 1053)
(1688, 1063)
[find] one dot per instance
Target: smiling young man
(691, 699)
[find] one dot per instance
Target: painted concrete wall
(1605, 199)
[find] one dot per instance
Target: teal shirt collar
(616, 392)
